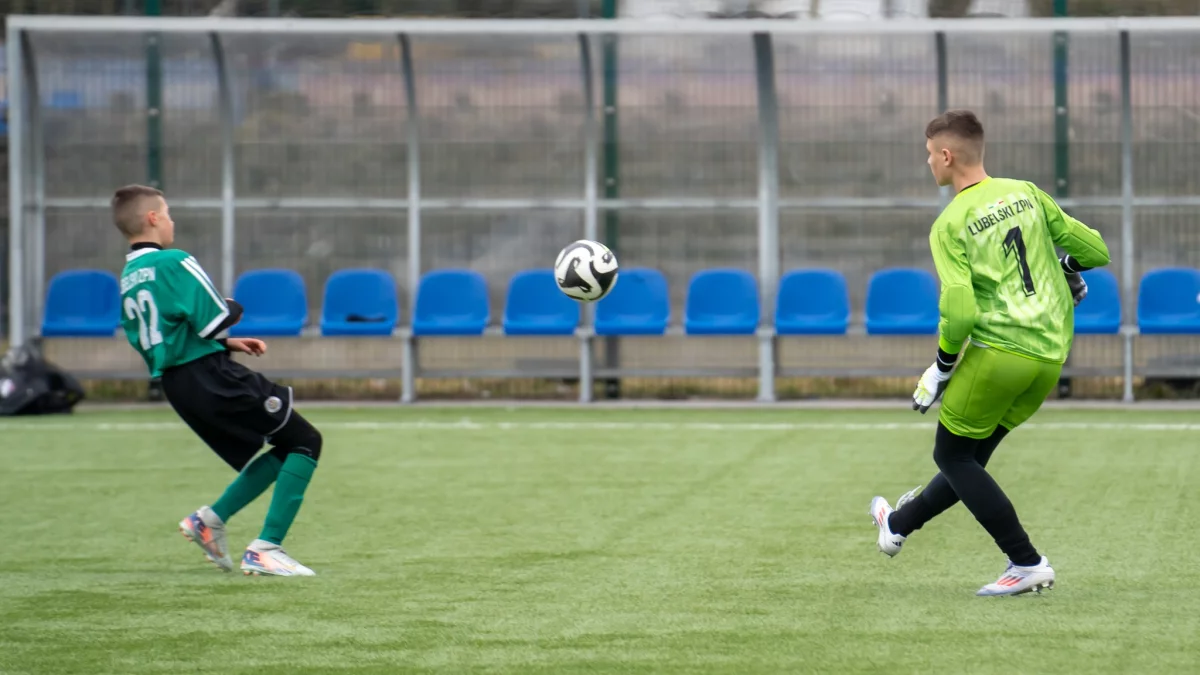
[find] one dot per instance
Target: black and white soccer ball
(586, 270)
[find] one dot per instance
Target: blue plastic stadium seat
(721, 302)
(275, 301)
(1169, 301)
(65, 100)
(535, 306)
(451, 302)
(637, 305)
(359, 302)
(902, 301)
(82, 303)
(812, 302)
(1100, 311)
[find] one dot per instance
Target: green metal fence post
(154, 132)
(1062, 147)
(154, 101)
(611, 174)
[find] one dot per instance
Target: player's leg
(257, 406)
(914, 510)
(970, 414)
(1017, 578)
(298, 444)
(937, 497)
(971, 410)
(206, 526)
(251, 482)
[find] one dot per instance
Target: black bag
(29, 385)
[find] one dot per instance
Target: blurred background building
(498, 9)
(501, 119)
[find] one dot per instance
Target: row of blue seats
(719, 302)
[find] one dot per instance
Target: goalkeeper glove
(931, 385)
(1078, 286)
(1075, 281)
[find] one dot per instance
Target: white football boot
(1017, 580)
(888, 541)
(207, 530)
(262, 558)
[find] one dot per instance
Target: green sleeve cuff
(948, 346)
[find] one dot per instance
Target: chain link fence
(502, 118)
(499, 9)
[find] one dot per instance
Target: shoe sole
(207, 556)
(1036, 588)
(259, 573)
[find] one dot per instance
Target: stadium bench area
(364, 302)
(461, 328)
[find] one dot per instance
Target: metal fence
(496, 9)
(409, 146)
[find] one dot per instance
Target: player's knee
(951, 449)
(941, 458)
(308, 444)
(301, 439)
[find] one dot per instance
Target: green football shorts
(992, 388)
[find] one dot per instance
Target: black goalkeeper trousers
(962, 476)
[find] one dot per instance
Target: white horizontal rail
(560, 27)
(681, 204)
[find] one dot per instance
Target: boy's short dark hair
(129, 207)
(961, 124)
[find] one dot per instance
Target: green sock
(289, 495)
(250, 483)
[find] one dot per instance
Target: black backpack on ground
(29, 385)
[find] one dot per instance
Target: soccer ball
(586, 270)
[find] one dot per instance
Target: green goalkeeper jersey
(1002, 283)
(170, 309)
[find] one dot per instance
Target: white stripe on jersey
(195, 270)
(204, 278)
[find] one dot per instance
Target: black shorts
(230, 407)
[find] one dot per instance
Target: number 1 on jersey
(1015, 243)
(143, 308)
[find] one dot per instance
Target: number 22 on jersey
(143, 308)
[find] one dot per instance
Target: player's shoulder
(1015, 184)
(177, 261)
(955, 213)
(173, 255)
(185, 259)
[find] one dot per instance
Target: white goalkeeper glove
(930, 388)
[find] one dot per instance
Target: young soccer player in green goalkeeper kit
(171, 313)
(1005, 288)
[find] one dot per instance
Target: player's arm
(957, 302)
(1084, 246)
(957, 309)
(207, 311)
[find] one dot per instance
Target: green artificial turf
(590, 541)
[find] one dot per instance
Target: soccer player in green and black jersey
(1008, 293)
(172, 314)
